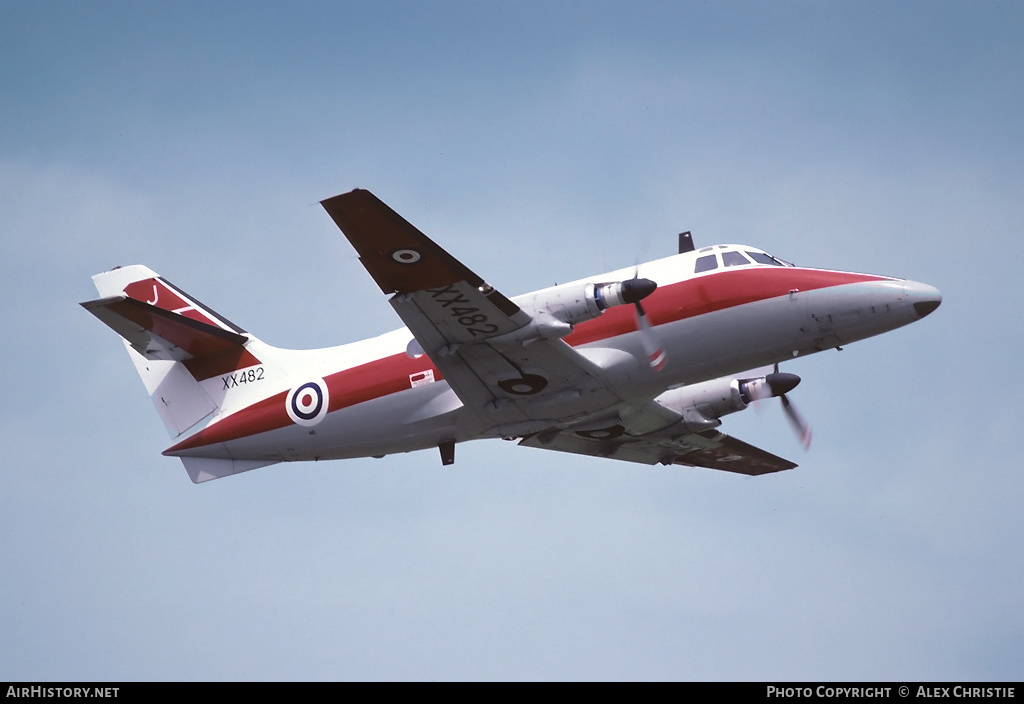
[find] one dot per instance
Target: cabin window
(706, 264)
(734, 259)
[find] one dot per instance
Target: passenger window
(734, 259)
(706, 264)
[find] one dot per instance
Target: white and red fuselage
(716, 312)
(711, 325)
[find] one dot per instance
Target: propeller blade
(797, 422)
(649, 341)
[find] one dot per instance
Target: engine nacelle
(577, 303)
(702, 405)
(555, 311)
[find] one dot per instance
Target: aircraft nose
(925, 298)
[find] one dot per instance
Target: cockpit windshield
(730, 255)
(734, 259)
(706, 263)
(762, 258)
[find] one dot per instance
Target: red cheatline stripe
(260, 417)
(706, 294)
(348, 387)
(685, 299)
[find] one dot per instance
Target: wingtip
(343, 195)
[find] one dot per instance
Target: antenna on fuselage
(685, 242)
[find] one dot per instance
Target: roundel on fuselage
(307, 404)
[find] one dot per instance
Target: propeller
(633, 291)
(797, 422)
(649, 341)
(778, 384)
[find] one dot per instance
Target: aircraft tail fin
(175, 342)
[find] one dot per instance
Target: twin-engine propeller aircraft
(638, 364)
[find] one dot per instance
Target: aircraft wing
(459, 321)
(712, 449)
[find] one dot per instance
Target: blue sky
(538, 142)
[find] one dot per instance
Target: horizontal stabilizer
(207, 350)
(204, 469)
